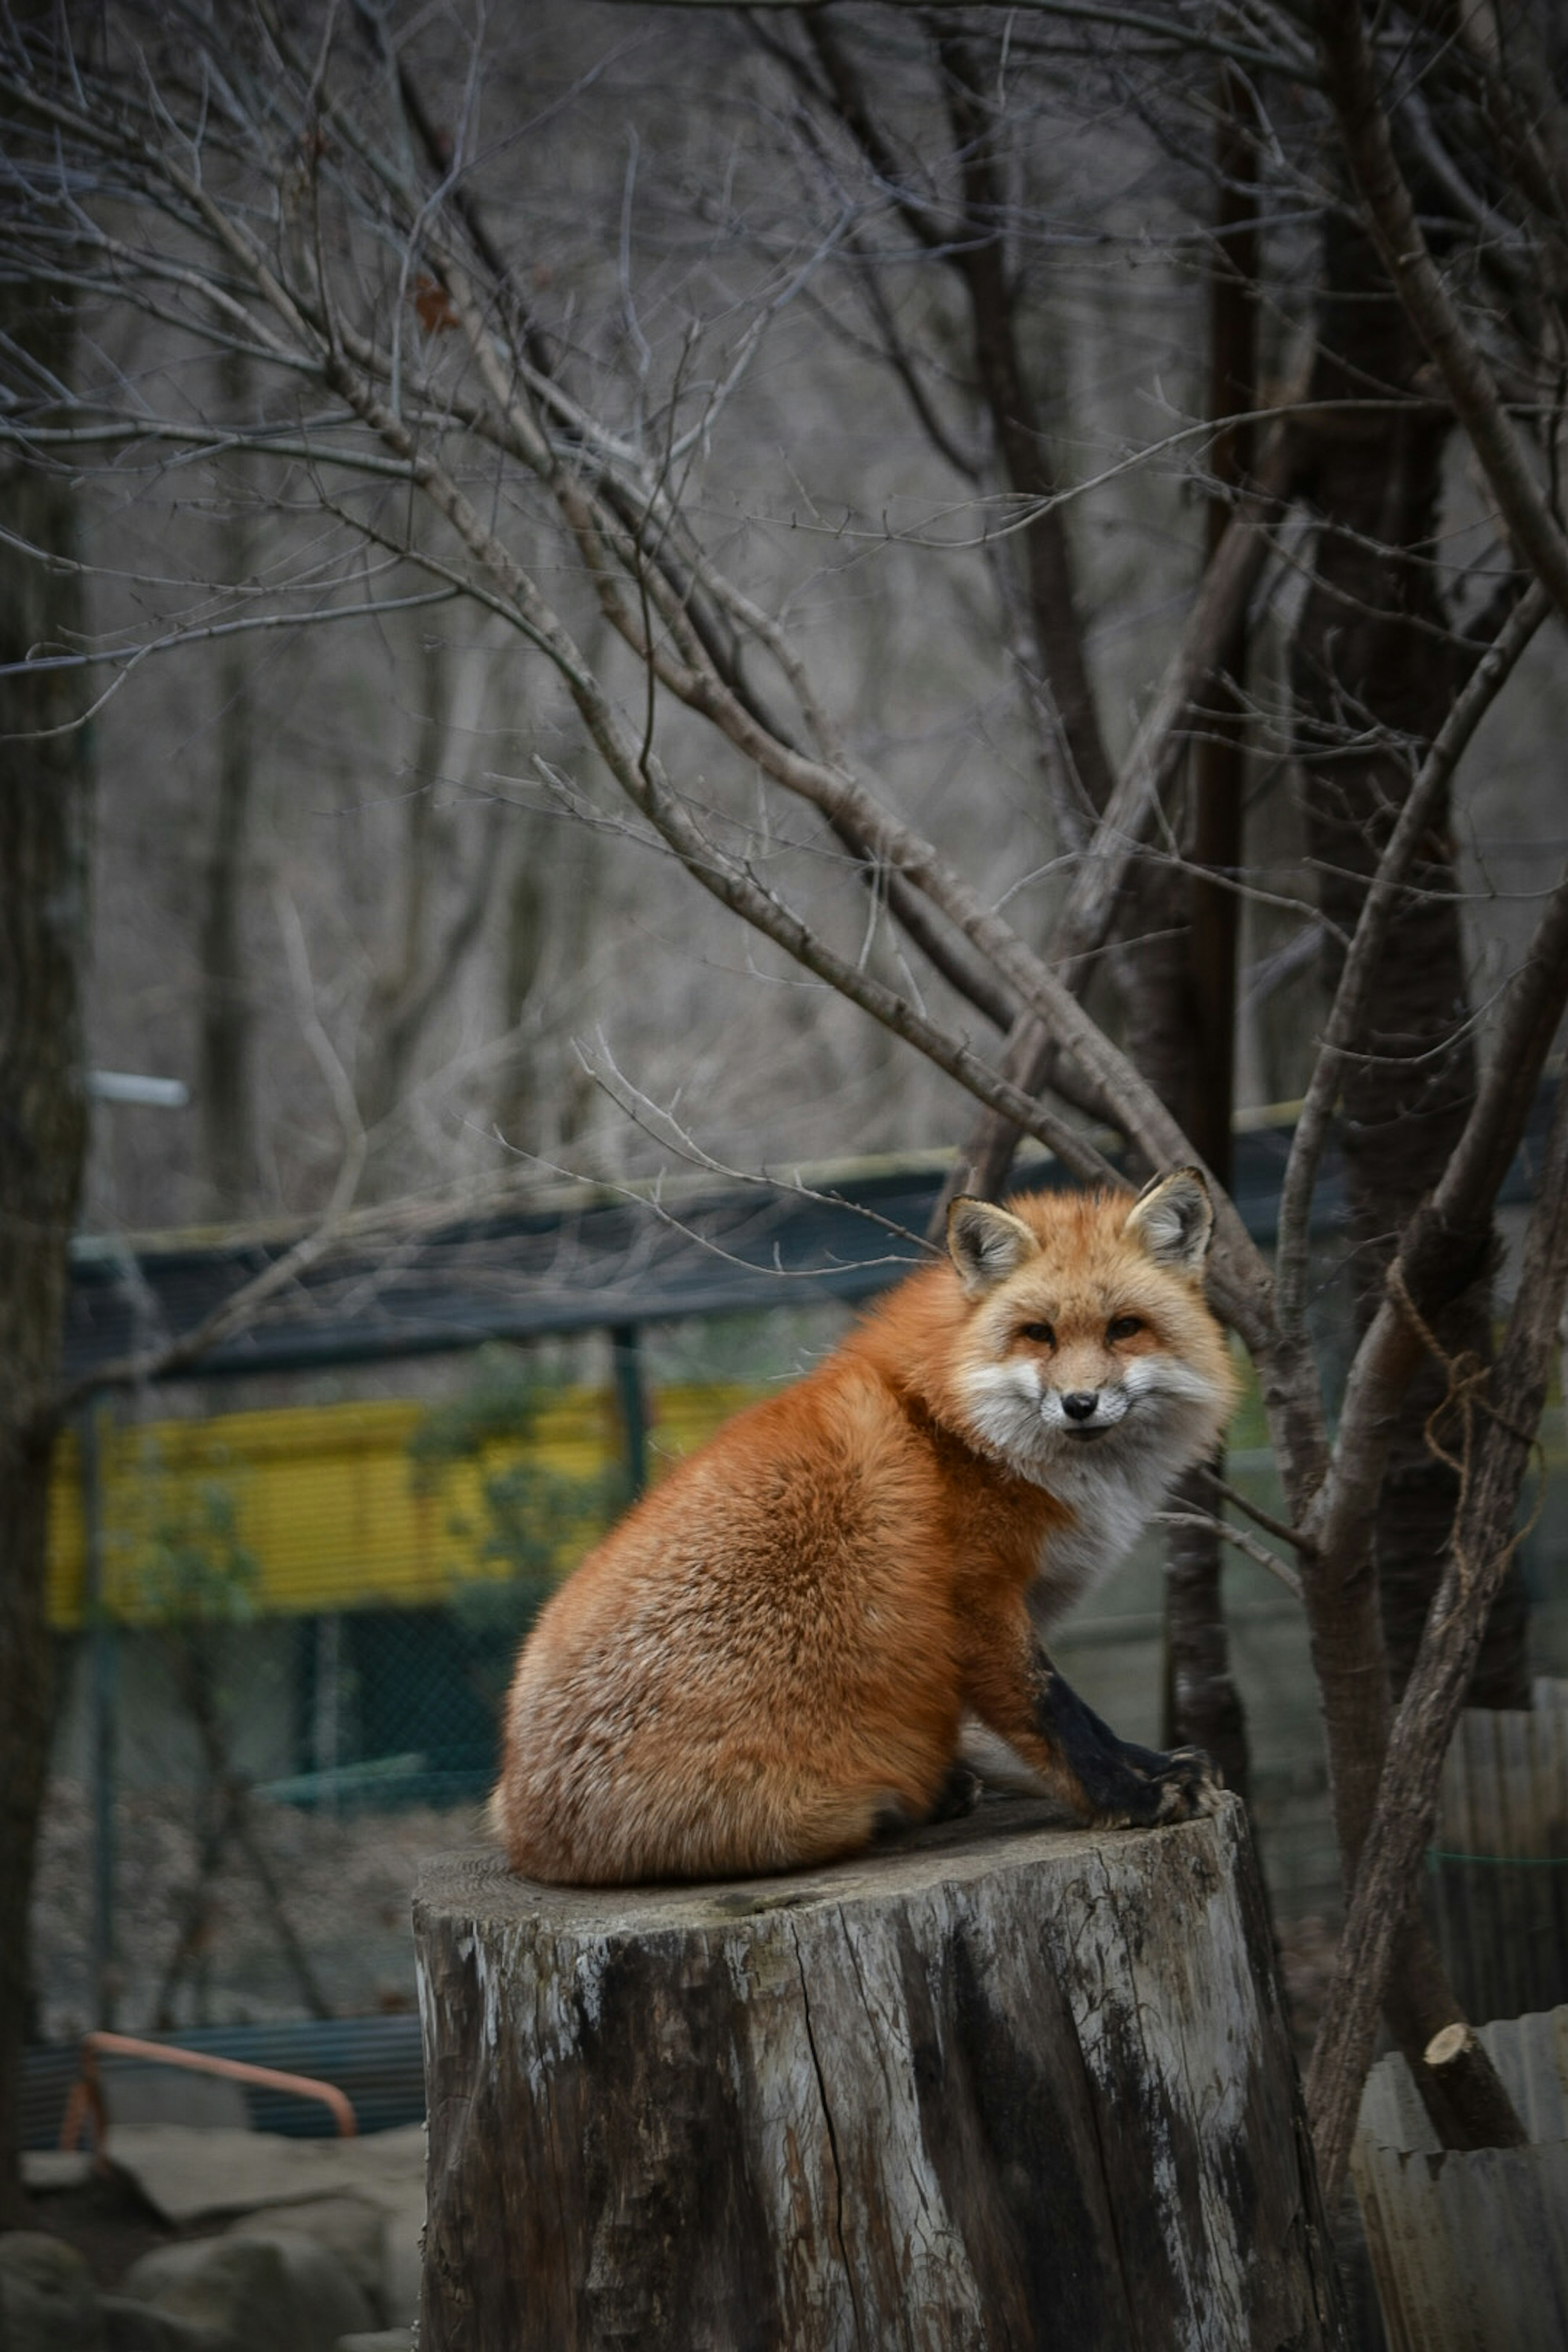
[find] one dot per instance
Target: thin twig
(1485, 684)
(1285, 1533)
(1242, 1541)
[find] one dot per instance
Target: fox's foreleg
(1068, 1753)
(1118, 1782)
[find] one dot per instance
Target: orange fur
(779, 1645)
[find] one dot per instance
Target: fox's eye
(1041, 1331)
(1123, 1327)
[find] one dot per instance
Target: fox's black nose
(1081, 1405)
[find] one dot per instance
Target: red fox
(781, 1649)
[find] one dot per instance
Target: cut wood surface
(1001, 2084)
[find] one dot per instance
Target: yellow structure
(325, 1499)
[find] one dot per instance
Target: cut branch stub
(1001, 2084)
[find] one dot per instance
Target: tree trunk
(426, 961)
(226, 1095)
(401, 1000)
(44, 817)
(995, 2086)
(1497, 1453)
(1370, 655)
(1219, 754)
(1023, 447)
(1202, 1705)
(522, 954)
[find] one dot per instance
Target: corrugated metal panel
(1470, 2248)
(586, 1265)
(580, 1260)
(1505, 1782)
(324, 1500)
(1497, 1884)
(1531, 2054)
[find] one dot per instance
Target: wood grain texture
(1002, 2084)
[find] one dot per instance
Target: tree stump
(1001, 2084)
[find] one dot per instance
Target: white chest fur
(1111, 1502)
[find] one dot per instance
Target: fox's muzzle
(1085, 1413)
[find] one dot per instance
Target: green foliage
(533, 1518)
(197, 1585)
(195, 1569)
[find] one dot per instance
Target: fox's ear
(986, 1243)
(1172, 1217)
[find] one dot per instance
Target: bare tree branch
(1351, 80)
(1146, 775)
(1343, 1025)
(1507, 1407)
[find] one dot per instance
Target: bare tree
(44, 804)
(331, 211)
(428, 945)
(1376, 641)
(225, 1091)
(1174, 967)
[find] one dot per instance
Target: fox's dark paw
(1188, 1785)
(1142, 1788)
(959, 1794)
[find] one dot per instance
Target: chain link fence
(284, 1637)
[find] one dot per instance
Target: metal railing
(86, 2098)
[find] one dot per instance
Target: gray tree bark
(999, 2084)
(1370, 652)
(226, 1093)
(45, 776)
(1203, 1704)
(424, 960)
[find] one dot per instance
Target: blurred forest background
(337, 881)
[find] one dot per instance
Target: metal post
(625, 1350)
(328, 1647)
(103, 1697)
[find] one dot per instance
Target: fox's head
(1090, 1341)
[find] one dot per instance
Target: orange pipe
(164, 2054)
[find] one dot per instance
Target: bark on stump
(1000, 2085)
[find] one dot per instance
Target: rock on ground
(194, 2176)
(362, 2199)
(137, 2327)
(278, 2291)
(47, 2300)
(351, 2230)
(282, 2293)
